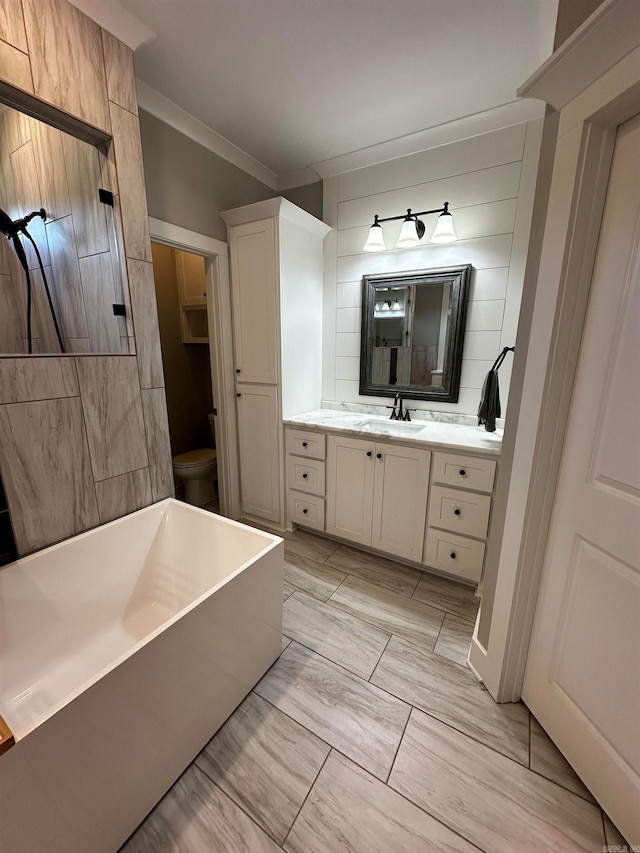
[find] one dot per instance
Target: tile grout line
(367, 621)
(417, 583)
(376, 666)
(395, 754)
(229, 797)
(387, 630)
(311, 787)
(592, 802)
(341, 666)
(360, 767)
(411, 706)
(438, 636)
(453, 728)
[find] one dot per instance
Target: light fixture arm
(410, 214)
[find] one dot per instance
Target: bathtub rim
(273, 542)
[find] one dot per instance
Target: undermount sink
(391, 427)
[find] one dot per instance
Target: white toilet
(197, 468)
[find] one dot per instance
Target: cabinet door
(192, 283)
(254, 290)
(350, 473)
(400, 500)
(259, 448)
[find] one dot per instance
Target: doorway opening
(181, 296)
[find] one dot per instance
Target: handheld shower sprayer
(12, 229)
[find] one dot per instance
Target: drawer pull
(369, 453)
(456, 512)
(237, 370)
(238, 395)
(304, 443)
(304, 476)
(305, 511)
(462, 472)
(378, 455)
(453, 555)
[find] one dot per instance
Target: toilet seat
(194, 457)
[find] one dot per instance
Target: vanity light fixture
(412, 230)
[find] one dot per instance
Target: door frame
(593, 84)
(221, 350)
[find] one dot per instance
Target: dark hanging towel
(489, 408)
(393, 366)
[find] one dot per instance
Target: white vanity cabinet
(306, 478)
(275, 251)
(257, 408)
(377, 494)
(254, 283)
(424, 505)
(459, 511)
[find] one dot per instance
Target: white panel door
(400, 500)
(582, 679)
(350, 473)
(255, 301)
(258, 444)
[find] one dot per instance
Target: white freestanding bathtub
(122, 651)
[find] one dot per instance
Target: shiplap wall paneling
(482, 179)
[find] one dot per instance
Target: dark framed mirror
(412, 333)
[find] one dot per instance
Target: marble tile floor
(370, 734)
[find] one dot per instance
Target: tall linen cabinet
(275, 250)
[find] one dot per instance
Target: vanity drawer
(467, 472)
(306, 475)
(462, 512)
(454, 554)
(307, 510)
(303, 443)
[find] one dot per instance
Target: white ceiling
(295, 83)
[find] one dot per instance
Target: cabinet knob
(456, 512)
(378, 455)
(453, 555)
(462, 472)
(369, 453)
(305, 510)
(304, 443)
(238, 395)
(304, 476)
(237, 370)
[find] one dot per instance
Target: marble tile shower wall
(489, 181)
(84, 439)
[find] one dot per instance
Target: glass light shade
(443, 232)
(375, 240)
(396, 306)
(408, 235)
(386, 306)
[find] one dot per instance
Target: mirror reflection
(61, 287)
(412, 333)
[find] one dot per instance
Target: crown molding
(170, 113)
(515, 112)
(297, 178)
(276, 207)
(606, 37)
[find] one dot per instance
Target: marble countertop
(451, 436)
